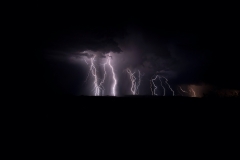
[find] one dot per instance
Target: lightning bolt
(85, 61)
(190, 90)
(194, 94)
(104, 75)
(94, 73)
(155, 87)
(182, 89)
(133, 80)
(151, 87)
(139, 81)
(166, 81)
(99, 87)
(135, 85)
(162, 87)
(114, 77)
(88, 74)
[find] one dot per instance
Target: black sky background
(205, 36)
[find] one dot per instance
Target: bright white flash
(104, 76)
(113, 74)
(94, 73)
(99, 87)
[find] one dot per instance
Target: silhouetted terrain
(140, 108)
(127, 120)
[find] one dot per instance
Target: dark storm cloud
(151, 53)
(105, 46)
(187, 57)
(142, 50)
(188, 48)
(73, 43)
(183, 56)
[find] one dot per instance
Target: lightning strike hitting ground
(133, 80)
(166, 80)
(104, 75)
(151, 87)
(94, 73)
(155, 87)
(114, 77)
(135, 85)
(139, 81)
(162, 87)
(98, 88)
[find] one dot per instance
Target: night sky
(193, 45)
(50, 96)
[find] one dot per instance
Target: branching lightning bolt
(166, 81)
(135, 85)
(133, 80)
(155, 87)
(99, 87)
(162, 87)
(94, 73)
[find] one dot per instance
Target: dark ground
(180, 126)
(139, 110)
